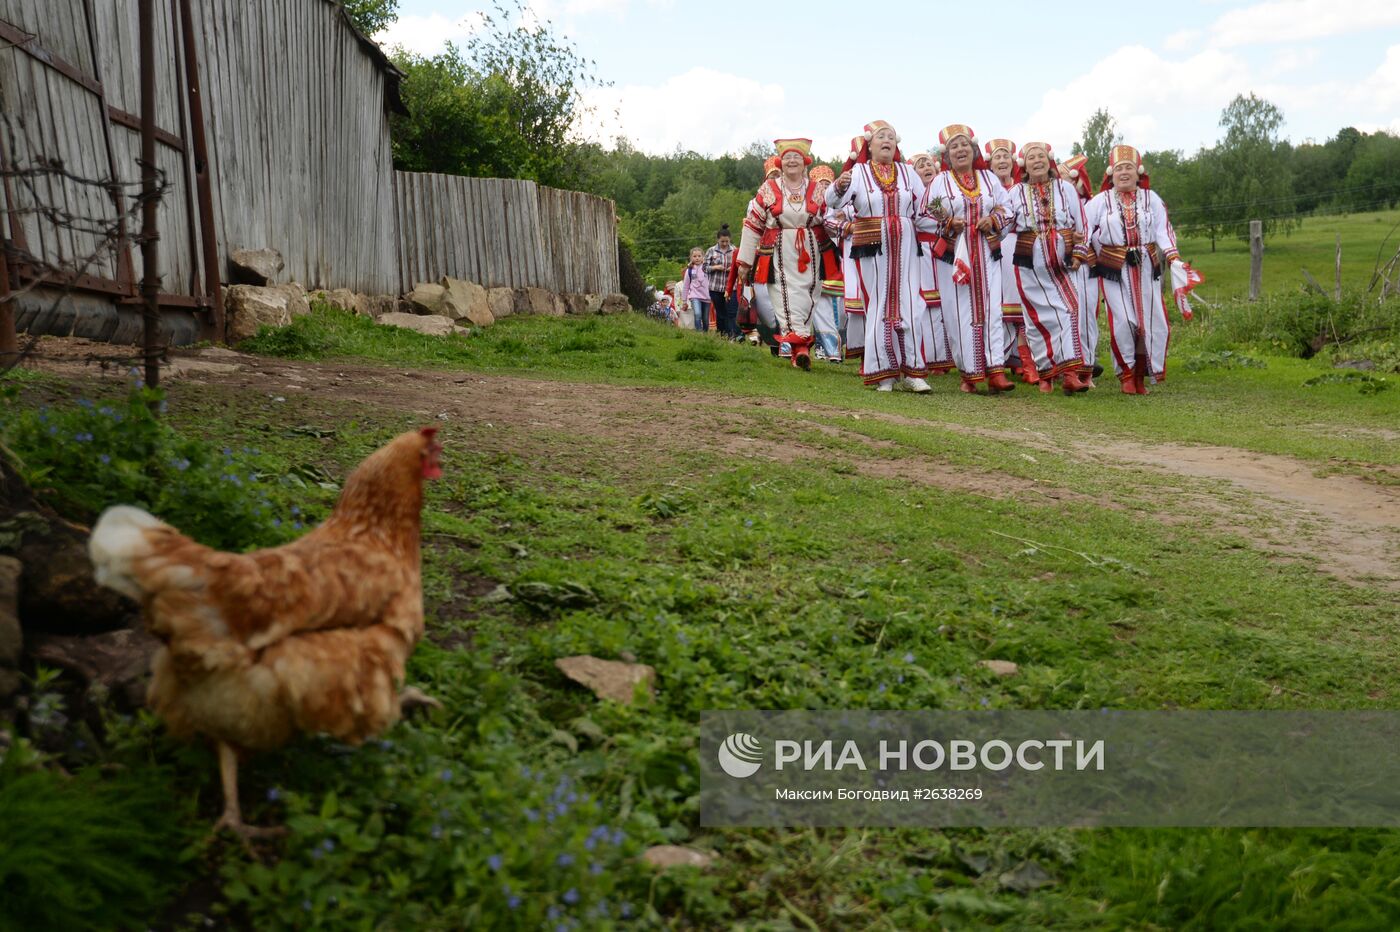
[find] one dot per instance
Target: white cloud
(1287, 60)
(1296, 20)
(1141, 89)
(428, 35)
(1382, 89)
(1182, 41)
(702, 110)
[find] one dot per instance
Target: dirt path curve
(1350, 526)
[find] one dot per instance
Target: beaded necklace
(971, 186)
(1127, 209)
(884, 174)
(1044, 200)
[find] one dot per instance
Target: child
(697, 289)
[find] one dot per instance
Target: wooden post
(1338, 290)
(150, 237)
(9, 339)
(1256, 258)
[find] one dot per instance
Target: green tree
(1255, 178)
(371, 16)
(1100, 134)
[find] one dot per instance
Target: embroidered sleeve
(1077, 220)
(1163, 233)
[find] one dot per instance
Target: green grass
(1311, 246)
(749, 583)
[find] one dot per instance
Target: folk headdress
(802, 147)
(862, 149)
(822, 173)
(771, 167)
(1035, 144)
(857, 142)
(945, 138)
(1117, 156)
(1075, 170)
(995, 144)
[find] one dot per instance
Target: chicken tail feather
(118, 541)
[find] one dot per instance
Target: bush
(89, 456)
(1300, 324)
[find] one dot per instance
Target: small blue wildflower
(163, 406)
(53, 431)
(748, 522)
(571, 896)
(525, 772)
(436, 831)
(680, 636)
(84, 403)
(986, 702)
(133, 372)
(909, 657)
(386, 744)
(79, 745)
(555, 912)
(296, 510)
(105, 411)
(228, 452)
(531, 815)
(273, 794)
(513, 902)
(561, 809)
(564, 860)
(104, 459)
(626, 911)
(590, 843)
(276, 522)
(572, 798)
(317, 854)
(494, 862)
(296, 525)
(883, 687)
(595, 868)
(446, 775)
(901, 678)
(328, 844)
(306, 905)
(618, 836)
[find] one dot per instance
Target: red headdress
(995, 144)
(1075, 170)
(1117, 156)
(801, 146)
(862, 147)
(1021, 159)
(945, 137)
(822, 173)
(771, 165)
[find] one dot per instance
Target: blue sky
(713, 77)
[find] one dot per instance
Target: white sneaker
(917, 385)
(886, 385)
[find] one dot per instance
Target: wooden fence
(504, 234)
(290, 106)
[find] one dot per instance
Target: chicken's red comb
(429, 432)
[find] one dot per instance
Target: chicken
(309, 637)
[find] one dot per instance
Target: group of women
(979, 257)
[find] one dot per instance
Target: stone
(377, 305)
(616, 303)
(428, 298)
(522, 301)
(249, 307)
(255, 266)
(181, 367)
(501, 301)
(544, 303)
(116, 660)
(594, 303)
(1000, 667)
(343, 299)
(666, 857)
(609, 679)
(574, 303)
(221, 352)
(430, 324)
(11, 638)
(467, 301)
(297, 305)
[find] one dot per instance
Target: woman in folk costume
(765, 322)
(972, 205)
(838, 223)
(827, 315)
(886, 197)
(1133, 239)
(1001, 157)
(1075, 170)
(787, 247)
(1049, 225)
(937, 354)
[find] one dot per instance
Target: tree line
(509, 103)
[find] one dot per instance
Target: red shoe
(968, 386)
(997, 382)
(1086, 378)
(1140, 374)
(1129, 387)
(1070, 383)
(1028, 373)
(1045, 385)
(801, 358)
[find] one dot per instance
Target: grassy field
(1311, 246)
(765, 539)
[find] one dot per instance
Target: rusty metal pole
(208, 231)
(150, 236)
(9, 340)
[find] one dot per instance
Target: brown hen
(310, 637)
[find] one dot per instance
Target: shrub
(89, 456)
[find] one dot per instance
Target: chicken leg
(232, 817)
(411, 697)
